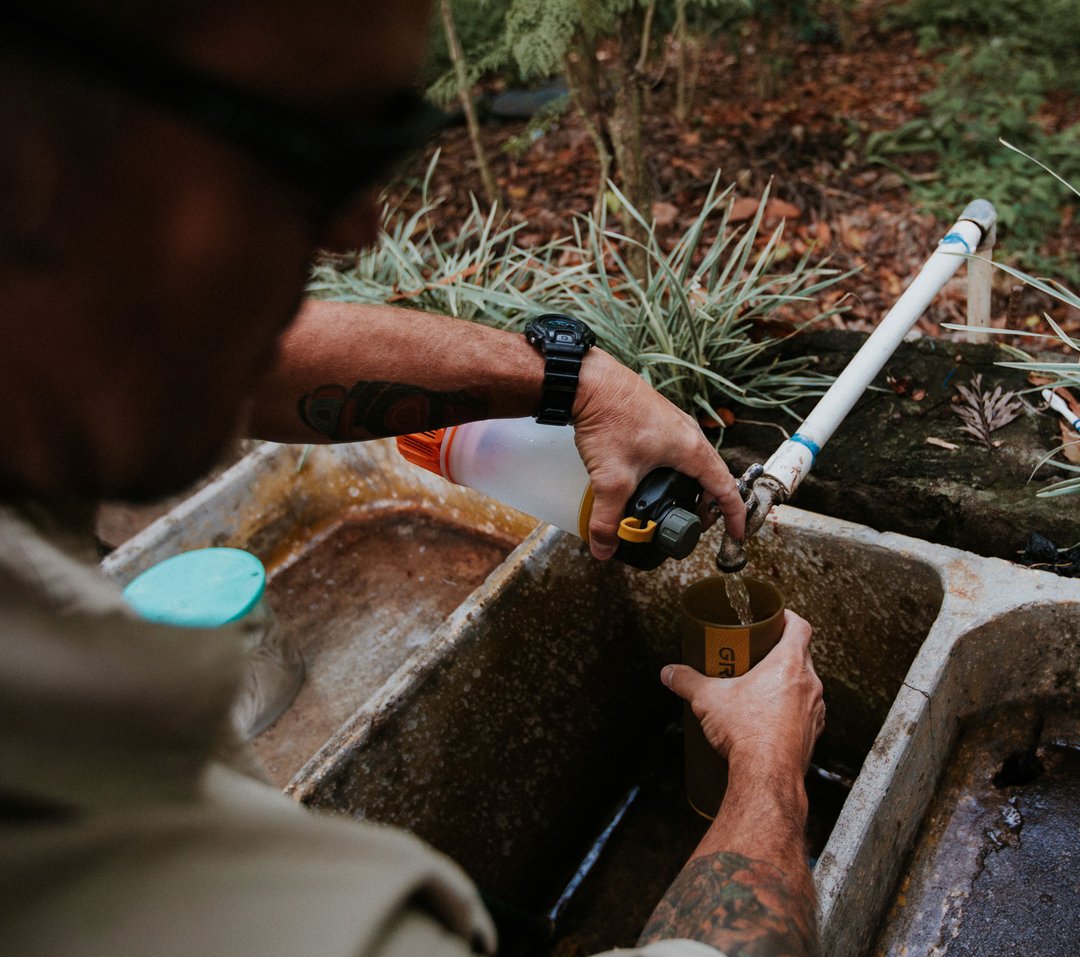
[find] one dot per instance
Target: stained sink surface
(358, 596)
(997, 865)
(516, 745)
(646, 833)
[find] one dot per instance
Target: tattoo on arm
(744, 907)
(372, 410)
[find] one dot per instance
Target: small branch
(603, 154)
(765, 425)
(646, 38)
(457, 57)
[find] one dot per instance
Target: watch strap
(561, 371)
(563, 341)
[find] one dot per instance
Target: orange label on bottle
(727, 652)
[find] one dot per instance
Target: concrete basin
(366, 557)
(538, 717)
(516, 721)
(995, 680)
(994, 866)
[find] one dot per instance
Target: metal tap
(760, 492)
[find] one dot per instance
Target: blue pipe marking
(955, 238)
(808, 443)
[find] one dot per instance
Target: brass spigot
(760, 492)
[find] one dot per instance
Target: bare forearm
(348, 372)
(747, 889)
(345, 373)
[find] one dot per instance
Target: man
(167, 168)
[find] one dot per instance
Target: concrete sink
(516, 720)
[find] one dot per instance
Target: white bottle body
(533, 468)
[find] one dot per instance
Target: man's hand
(746, 889)
(624, 429)
(772, 715)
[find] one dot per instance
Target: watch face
(559, 324)
(561, 329)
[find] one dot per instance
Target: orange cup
(715, 643)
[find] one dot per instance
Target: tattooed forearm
(743, 907)
(375, 409)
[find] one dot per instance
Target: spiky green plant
(1061, 374)
(688, 324)
(478, 274)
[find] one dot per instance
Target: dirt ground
(806, 141)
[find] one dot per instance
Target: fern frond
(985, 412)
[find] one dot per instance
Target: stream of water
(738, 596)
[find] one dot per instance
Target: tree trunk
(687, 63)
(844, 23)
(625, 127)
(682, 36)
(457, 58)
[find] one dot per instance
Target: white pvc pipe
(790, 463)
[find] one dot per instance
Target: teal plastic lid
(200, 589)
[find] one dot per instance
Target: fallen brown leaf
(742, 208)
(899, 384)
(727, 418)
(851, 236)
(780, 209)
(664, 214)
(941, 443)
(1070, 444)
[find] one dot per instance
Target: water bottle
(537, 470)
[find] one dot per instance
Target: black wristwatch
(563, 340)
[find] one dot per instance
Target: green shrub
(1048, 30)
(1001, 64)
(479, 25)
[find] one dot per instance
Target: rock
(524, 104)
(879, 470)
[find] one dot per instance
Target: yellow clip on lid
(631, 530)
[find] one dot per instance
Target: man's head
(148, 260)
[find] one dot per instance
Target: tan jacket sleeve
(243, 871)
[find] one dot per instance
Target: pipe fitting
(731, 557)
(982, 213)
(762, 495)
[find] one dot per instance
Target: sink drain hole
(1022, 767)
